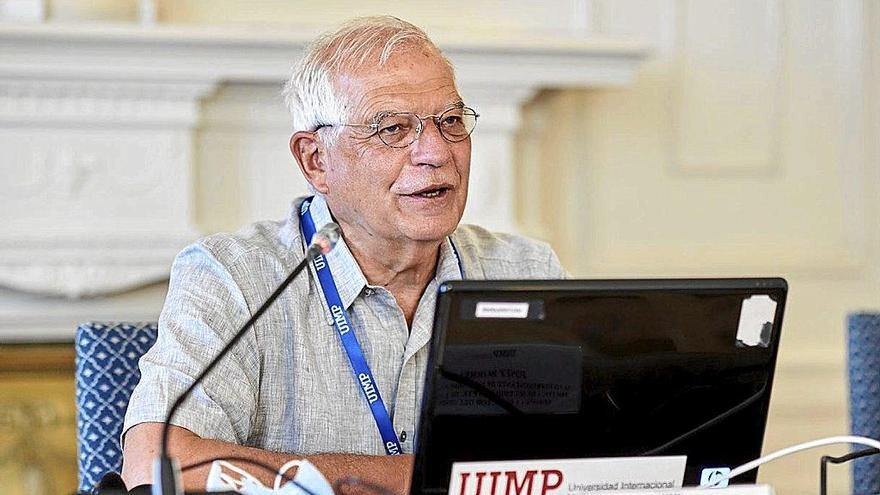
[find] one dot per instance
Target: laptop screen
(574, 368)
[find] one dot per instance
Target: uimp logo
(392, 449)
(320, 262)
(339, 319)
(369, 389)
(522, 482)
(710, 476)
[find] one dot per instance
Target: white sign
(502, 310)
(734, 490)
(567, 476)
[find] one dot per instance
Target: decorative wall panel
(98, 197)
(725, 93)
(742, 149)
(37, 420)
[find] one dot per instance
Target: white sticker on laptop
(502, 310)
(710, 476)
(756, 321)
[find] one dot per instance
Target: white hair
(311, 95)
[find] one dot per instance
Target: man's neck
(403, 267)
(392, 264)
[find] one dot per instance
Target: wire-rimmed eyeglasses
(401, 129)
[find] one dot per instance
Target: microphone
(166, 472)
(324, 240)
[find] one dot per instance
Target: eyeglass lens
(399, 130)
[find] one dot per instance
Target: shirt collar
(449, 265)
(350, 280)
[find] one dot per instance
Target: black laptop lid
(579, 368)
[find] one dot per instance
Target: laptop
(599, 368)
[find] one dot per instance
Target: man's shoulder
(265, 240)
(488, 244)
(264, 237)
(502, 255)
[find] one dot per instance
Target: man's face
(414, 193)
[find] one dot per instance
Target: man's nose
(431, 148)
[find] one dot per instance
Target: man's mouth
(430, 192)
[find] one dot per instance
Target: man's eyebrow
(459, 103)
(381, 113)
(456, 104)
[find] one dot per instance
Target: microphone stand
(166, 472)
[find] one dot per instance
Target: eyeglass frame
(434, 117)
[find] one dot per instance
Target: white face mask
(307, 481)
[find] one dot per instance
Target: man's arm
(142, 447)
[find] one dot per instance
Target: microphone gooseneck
(166, 480)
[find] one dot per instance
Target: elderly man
(384, 141)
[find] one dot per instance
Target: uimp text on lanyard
(359, 367)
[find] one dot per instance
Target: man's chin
(426, 231)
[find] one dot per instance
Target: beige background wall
(746, 146)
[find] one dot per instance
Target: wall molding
(106, 129)
(97, 193)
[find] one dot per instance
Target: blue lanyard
(363, 377)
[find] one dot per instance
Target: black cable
(229, 345)
(324, 240)
(823, 465)
(712, 422)
(165, 469)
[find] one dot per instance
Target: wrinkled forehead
(417, 79)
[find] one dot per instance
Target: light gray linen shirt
(287, 386)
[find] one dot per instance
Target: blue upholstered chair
(107, 357)
(864, 386)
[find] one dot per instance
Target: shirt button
(368, 291)
(403, 436)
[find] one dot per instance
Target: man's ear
(309, 154)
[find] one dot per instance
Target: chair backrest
(107, 356)
(864, 392)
